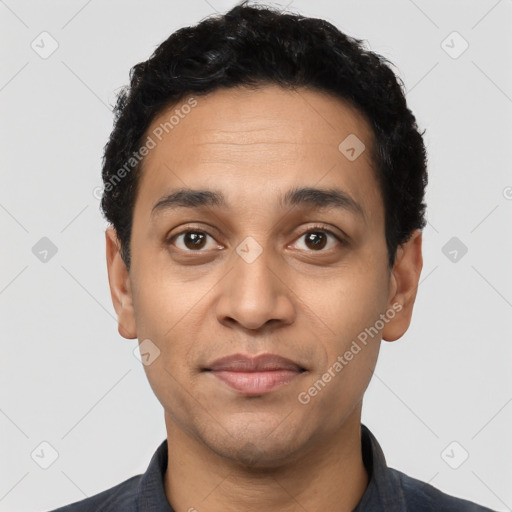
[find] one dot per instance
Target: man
(264, 182)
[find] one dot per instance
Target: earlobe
(120, 287)
(404, 285)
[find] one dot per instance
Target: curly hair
(258, 45)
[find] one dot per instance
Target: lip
(261, 363)
(255, 375)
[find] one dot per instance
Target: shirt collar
(383, 493)
(151, 493)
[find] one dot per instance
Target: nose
(255, 293)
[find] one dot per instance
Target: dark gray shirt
(388, 490)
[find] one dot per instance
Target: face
(282, 254)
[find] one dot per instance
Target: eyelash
(312, 229)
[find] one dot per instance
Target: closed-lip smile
(257, 375)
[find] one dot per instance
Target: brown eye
(190, 240)
(316, 240)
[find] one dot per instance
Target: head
(264, 182)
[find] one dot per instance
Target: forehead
(257, 145)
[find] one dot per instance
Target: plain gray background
(68, 378)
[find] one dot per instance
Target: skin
(228, 451)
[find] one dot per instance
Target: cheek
(335, 392)
(351, 307)
(171, 321)
(172, 390)
(349, 303)
(163, 302)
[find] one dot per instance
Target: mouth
(255, 375)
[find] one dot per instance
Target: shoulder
(422, 497)
(121, 497)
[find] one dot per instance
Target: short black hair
(260, 45)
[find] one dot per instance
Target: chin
(258, 456)
(266, 447)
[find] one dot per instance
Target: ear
(120, 286)
(403, 286)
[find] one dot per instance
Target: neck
(329, 475)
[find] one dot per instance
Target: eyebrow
(304, 197)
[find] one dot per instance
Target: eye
(191, 240)
(317, 238)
